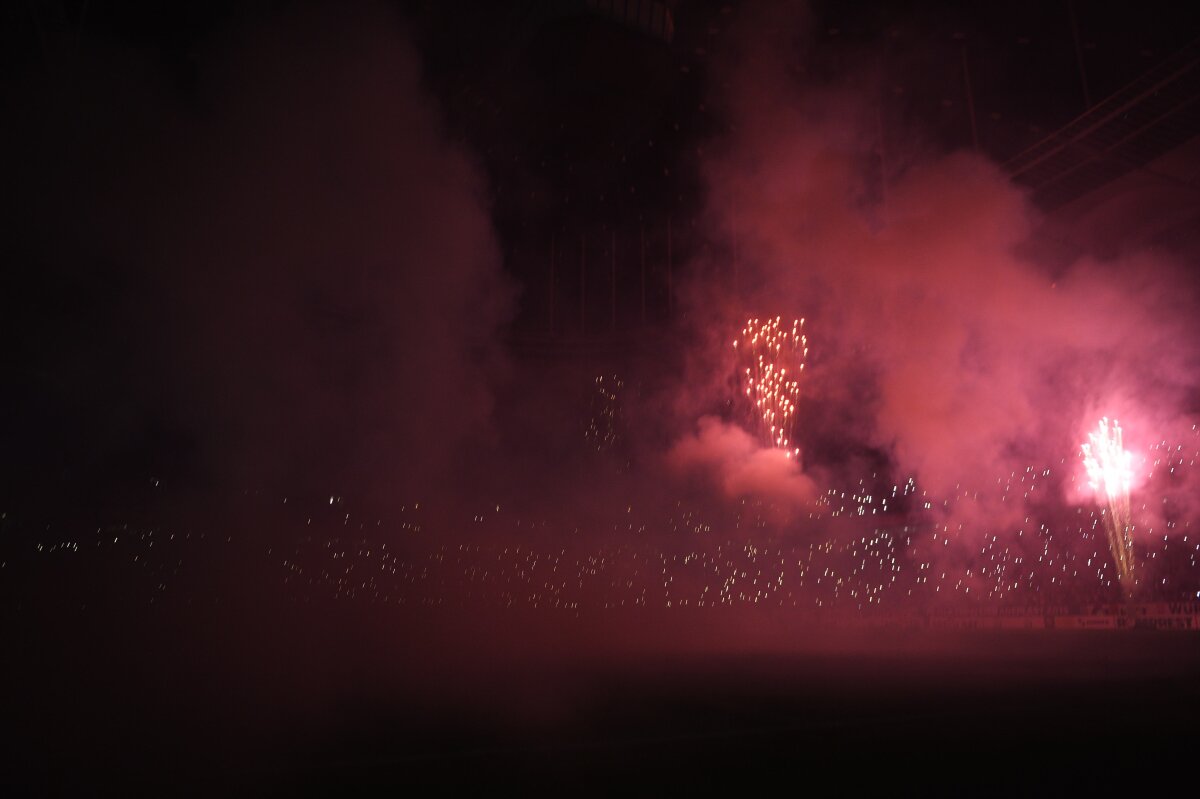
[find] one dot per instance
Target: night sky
(577, 395)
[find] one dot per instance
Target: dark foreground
(276, 701)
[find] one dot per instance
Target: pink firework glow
(1110, 473)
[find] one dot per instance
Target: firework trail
(770, 360)
(1109, 473)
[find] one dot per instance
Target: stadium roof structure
(1156, 113)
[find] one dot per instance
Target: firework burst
(1110, 472)
(770, 359)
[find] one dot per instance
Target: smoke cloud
(937, 338)
(739, 465)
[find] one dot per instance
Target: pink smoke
(982, 361)
(739, 466)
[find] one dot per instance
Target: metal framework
(1151, 116)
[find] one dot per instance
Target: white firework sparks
(1110, 472)
(771, 359)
